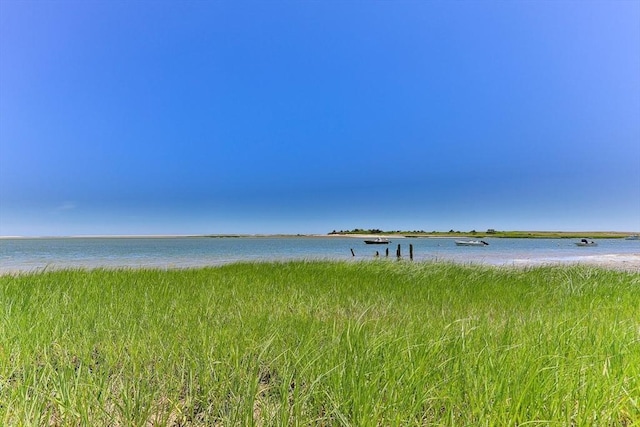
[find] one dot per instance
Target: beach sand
(626, 262)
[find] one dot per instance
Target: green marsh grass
(321, 343)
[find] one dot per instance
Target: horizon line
(347, 233)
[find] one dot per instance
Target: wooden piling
(411, 251)
(398, 252)
(387, 253)
(352, 253)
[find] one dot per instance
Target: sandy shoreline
(626, 262)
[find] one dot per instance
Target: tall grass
(321, 343)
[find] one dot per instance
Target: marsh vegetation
(321, 343)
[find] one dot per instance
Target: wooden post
(377, 254)
(411, 251)
(387, 253)
(352, 253)
(398, 252)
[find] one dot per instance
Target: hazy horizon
(287, 117)
(332, 233)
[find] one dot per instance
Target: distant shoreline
(363, 235)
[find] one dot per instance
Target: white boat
(377, 241)
(471, 243)
(634, 237)
(585, 242)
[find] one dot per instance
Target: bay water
(37, 254)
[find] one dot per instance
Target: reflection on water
(39, 254)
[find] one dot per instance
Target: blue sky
(193, 117)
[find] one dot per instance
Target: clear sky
(195, 117)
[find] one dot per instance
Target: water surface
(184, 252)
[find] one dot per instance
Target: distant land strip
(493, 233)
(368, 233)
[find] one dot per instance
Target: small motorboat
(585, 242)
(471, 243)
(633, 237)
(377, 241)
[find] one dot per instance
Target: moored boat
(633, 237)
(377, 241)
(585, 242)
(471, 243)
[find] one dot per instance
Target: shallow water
(17, 255)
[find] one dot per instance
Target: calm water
(38, 254)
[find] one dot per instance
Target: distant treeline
(493, 233)
(378, 231)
